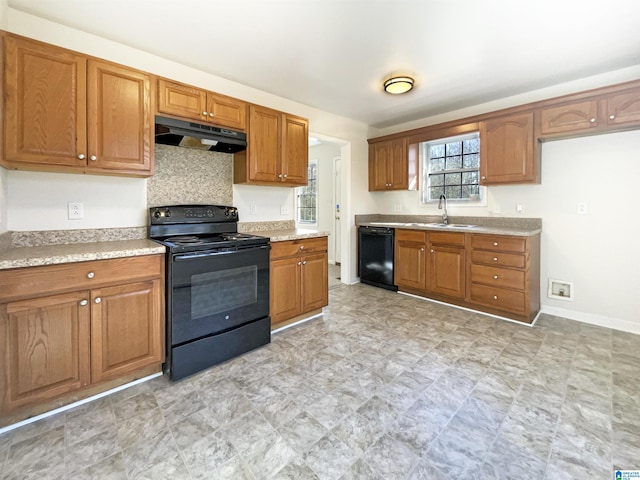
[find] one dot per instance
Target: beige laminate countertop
(502, 230)
(18, 257)
(290, 234)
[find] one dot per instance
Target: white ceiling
(335, 54)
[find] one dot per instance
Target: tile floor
(382, 386)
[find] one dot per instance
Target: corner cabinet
(201, 105)
(277, 152)
(299, 279)
(509, 151)
(73, 330)
(392, 166)
(66, 112)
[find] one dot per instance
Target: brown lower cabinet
(299, 279)
(498, 274)
(70, 328)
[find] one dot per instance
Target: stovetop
(195, 243)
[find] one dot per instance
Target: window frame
(424, 157)
(299, 192)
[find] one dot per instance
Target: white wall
(270, 198)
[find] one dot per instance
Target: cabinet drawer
(499, 243)
(500, 298)
(419, 236)
(32, 281)
(500, 259)
(440, 238)
(498, 277)
(296, 247)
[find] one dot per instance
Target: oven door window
(214, 293)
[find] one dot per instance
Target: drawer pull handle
(301, 247)
(611, 117)
(495, 244)
(495, 259)
(91, 275)
(98, 300)
(495, 297)
(83, 303)
(495, 277)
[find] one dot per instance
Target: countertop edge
(520, 232)
(294, 234)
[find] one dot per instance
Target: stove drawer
(29, 282)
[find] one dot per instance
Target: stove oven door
(213, 292)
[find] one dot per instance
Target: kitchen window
(307, 197)
(451, 166)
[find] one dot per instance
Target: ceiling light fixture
(398, 85)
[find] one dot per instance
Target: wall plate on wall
(560, 289)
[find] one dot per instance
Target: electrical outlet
(284, 210)
(76, 210)
(253, 209)
(520, 208)
(583, 208)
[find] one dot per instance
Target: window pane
(437, 151)
(453, 192)
(471, 160)
(436, 164)
(454, 148)
(454, 163)
(436, 192)
(470, 177)
(437, 180)
(470, 190)
(453, 179)
(471, 145)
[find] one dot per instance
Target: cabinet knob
(91, 275)
(204, 113)
(210, 114)
(285, 176)
(304, 263)
(299, 263)
(495, 259)
(422, 249)
(93, 158)
(98, 300)
(495, 244)
(495, 277)
(611, 117)
(279, 175)
(495, 297)
(592, 120)
(83, 303)
(81, 156)
(484, 178)
(432, 250)
(301, 247)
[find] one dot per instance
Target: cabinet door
(623, 108)
(45, 349)
(264, 144)
(570, 118)
(379, 157)
(447, 272)
(226, 111)
(410, 266)
(45, 104)
(315, 282)
(507, 153)
(285, 289)
(127, 329)
(295, 150)
(120, 118)
(397, 165)
(182, 100)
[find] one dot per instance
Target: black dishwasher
(375, 256)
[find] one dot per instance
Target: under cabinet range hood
(181, 133)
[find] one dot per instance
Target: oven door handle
(184, 257)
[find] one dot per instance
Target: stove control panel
(192, 214)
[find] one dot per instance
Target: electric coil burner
(217, 286)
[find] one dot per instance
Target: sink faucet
(445, 217)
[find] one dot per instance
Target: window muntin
(307, 197)
(451, 166)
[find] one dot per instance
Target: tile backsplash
(190, 176)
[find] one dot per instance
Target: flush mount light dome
(398, 85)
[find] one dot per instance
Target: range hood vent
(180, 133)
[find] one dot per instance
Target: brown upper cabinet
(390, 167)
(277, 149)
(191, 102)
(67, 112)
(508, 150)
(597, 114)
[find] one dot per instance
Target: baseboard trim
(592, 319)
